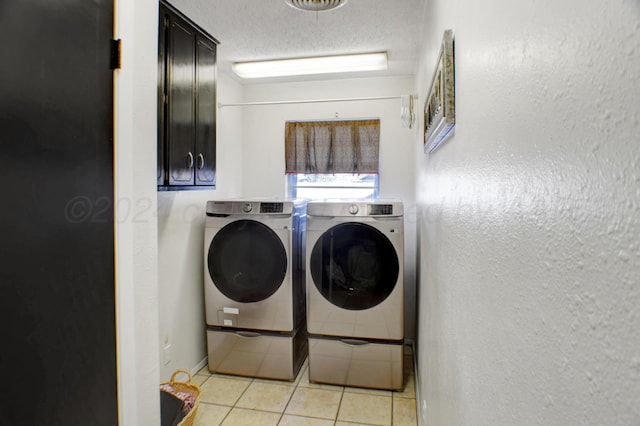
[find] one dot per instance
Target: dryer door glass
(247, 261)
(354, 266)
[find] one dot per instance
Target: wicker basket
(188, 387)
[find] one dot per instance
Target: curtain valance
(334, 146)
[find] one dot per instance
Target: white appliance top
(358, 208)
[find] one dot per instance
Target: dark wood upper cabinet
(186, 103)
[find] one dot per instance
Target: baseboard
(416, 379)
(199, 365)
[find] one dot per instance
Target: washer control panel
(353, 208)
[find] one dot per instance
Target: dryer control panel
(381, 209)
(271, 207)
(243, 207)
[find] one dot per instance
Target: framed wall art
(439, 107)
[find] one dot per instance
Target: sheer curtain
(335, 146)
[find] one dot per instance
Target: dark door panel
(57, 303)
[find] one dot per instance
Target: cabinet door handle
(201, 161)
(189, 160)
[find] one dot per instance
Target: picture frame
(439, 107)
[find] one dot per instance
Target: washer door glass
(354, 266)
(247, 261)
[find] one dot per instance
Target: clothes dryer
(254, 287)
(355, 292)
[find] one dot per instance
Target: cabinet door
(181, 81)
(163, 32)
(205, 112)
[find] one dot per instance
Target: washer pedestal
(351, 362)
(256, 354)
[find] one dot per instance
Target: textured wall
(181, 217)
(529, 223)
(264, 139)
(135, 220)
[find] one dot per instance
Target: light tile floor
(236, 401)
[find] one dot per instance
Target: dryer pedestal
(357, 363)
(256, 354)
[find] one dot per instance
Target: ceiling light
(315, 65)
(315, 5)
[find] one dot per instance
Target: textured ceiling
(270, 29)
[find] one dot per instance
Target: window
(332, 159)
(340, 185)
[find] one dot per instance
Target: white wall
(263, 157)
(159, 236)
(136, 226)
(180, 245)
(529, 228)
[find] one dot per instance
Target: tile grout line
(339, 406)
(236, 401)
(392, 404)
(295, 387)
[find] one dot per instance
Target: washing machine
(355, 292)
(254, 287)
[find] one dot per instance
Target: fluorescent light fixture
(308, 66)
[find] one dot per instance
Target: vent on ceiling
(315, 5)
